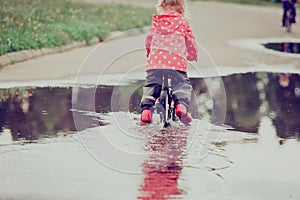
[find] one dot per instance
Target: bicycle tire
(166, 109)
(288, 21)
(167, 113)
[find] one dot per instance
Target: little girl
(169, 44)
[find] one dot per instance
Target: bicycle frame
(287, 20)
(165, 103)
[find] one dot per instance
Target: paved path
(62, 168)
(214, 25)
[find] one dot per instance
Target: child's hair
(177, 5)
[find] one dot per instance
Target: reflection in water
(287, 47)
(284, 101)
(243, 102)
(28, 112)
(32, 113)
(163, 167)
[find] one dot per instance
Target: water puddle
(287, 47)
(181, 162)
(31, 113)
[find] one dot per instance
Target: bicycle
(164, 105)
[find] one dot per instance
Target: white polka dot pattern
(170, 42)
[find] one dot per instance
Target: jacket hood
(168, 22)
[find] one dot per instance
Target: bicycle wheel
(164, 101)
(172, 111)
(288, 21)
(167, 111)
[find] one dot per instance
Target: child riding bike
(286, 5)
(169, 44)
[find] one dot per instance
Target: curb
(24, 55)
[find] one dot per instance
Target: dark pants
(181, 87)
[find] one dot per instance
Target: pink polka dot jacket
(170, 42)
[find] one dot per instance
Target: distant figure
(286, 5)
(284, 80)
(287, 47)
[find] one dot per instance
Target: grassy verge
(32, 24)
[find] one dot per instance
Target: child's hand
(192, 57)
(148, 52)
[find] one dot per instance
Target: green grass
(32, 24)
